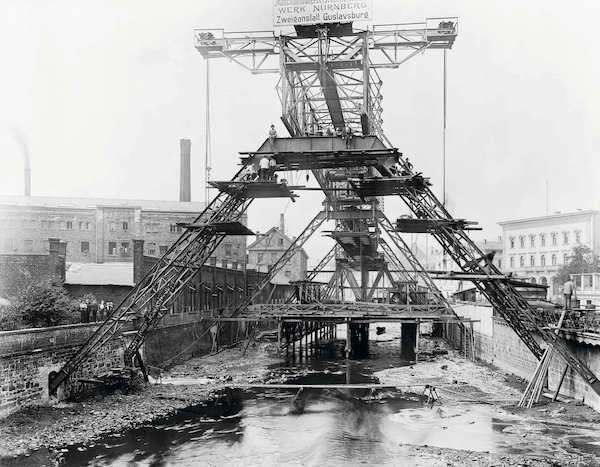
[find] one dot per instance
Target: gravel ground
(556, 432)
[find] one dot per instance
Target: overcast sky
(101, 91)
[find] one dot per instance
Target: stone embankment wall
(27, 356)
(497, 343)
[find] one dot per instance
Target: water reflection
(273, 426)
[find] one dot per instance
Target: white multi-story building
(537, 247)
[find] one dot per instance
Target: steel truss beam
(151, 297)
(503, 296)
(295, 246)
(329, 79)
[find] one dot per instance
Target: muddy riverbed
(192, 418)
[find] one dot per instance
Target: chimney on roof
(185, 190)
(282, 223)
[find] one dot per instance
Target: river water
(274, 427)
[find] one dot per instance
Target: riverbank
(61, 424)
(476, 394)
(474, 423)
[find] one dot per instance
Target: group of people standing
(92, 311)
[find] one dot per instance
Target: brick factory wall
(15, 267)
(504, 349)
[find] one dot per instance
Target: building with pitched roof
(269, 247)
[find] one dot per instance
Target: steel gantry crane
(328, 78)
(329, 83)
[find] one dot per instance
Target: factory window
(112, 248)
(151, 248)
(553, 260)
(532, 241)
(554, 236)
(578, 236)
(543, 260)
(69, 225)
(175, 228)
(512, 242)
(112, 226)
(85, 247)
(565, 238)
(542, 239)
(63, 226)
(512, 261)
(9, 244)
(565, 258)
(288, 273)
(124, 248)
(259, 258)
(522, 241)
(162, 250)
(28, 245)
(227, 249)
(80, 225)
(521, 261)
(273, 257)
(532, 261)
(87, 226)
(125, 225)
(280, 242)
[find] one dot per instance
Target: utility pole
(547, 197)
(444, 140)
(207, 157)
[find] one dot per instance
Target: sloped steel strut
(150, 298)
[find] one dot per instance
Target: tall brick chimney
(282, 223)
(185, 189)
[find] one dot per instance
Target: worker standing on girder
(348, 135)
(263, 172)
(272, 166)
(568, 289)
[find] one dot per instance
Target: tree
(583, 260)
(43, 304)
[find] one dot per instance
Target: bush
(43, 304)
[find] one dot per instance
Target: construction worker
(568, 289)
(272, 165)
(348, 137)
(263, 171)
(272, 134)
